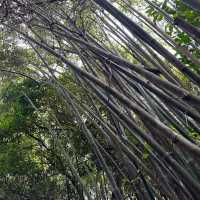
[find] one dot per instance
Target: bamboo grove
(140, 96)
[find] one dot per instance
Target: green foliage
(45, 152)
(181, 38)
(20, 123)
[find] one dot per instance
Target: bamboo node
(186, 95)
(167, 155)
(184, 69)
(175, 139)
(189, 161)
